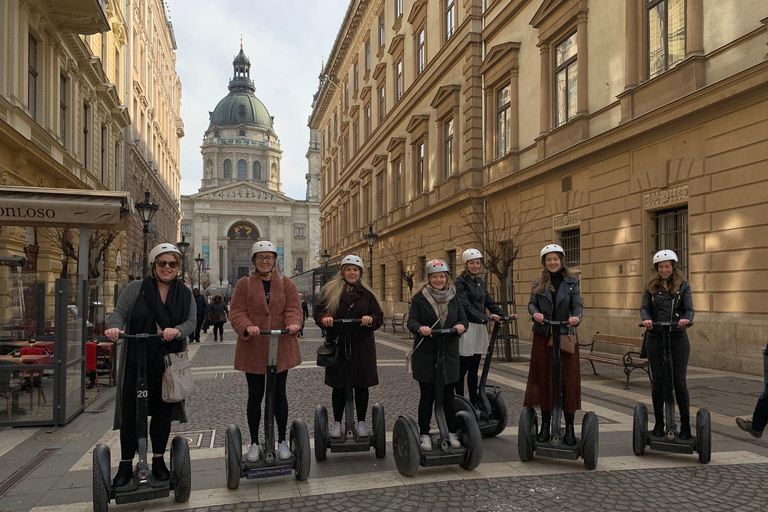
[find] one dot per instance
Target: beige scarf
(438, 298)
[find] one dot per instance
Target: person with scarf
(158, 304)
(435, 305)
(349, 296)
(265, 300)
(554, 296)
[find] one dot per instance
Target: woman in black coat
(349, 296)
(218, 313)
(435, 305)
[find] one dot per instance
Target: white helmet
(551, 248)
(161, 249)
(471, 254)
(664, 255)
(263, 246)
(353, 260)
(437, 266)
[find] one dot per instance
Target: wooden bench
(398, 319)
(631, 359)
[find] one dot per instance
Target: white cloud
(285, 41)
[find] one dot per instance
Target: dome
(238, 108)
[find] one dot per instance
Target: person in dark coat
(158, 304)
(347, 295)
(667, 298)
(554, 296)
(218, 313)
(435, 305)
(202, 312)
(305, 313)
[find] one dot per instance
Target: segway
(586, 446)
(351, 440)
(491, 412)
(142, 486)
(406, 443)
(269, 465)
(670, 442)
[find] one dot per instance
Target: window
(448, 150)
(299, 232)
(383, 283)
(450, 19)
(367, 55)
(368, 206)
(345, 155)
(118, 181)
(335, 125)
(241, 133)
(450, 257)
(63, 109)
(86, 113)
(666, 34)
(381, 29)
(380, 184)
(565, 80)
(382, 104)
(399, 80)
(570, 240)
(421, 56)
(398, 183)
(300, 265)
(422, 268)
(420, 167)
(32, 80)
(503, 120)
(346, 94)
(242, 170)
(227, 168)
(104, 155)
(671, 233)
(355, 137)
(367, 121)
(257, 171)
(355, 81)
(398, 8)
(117, 73)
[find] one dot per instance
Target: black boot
(570, 435)
(543, 436)
(124, 474)
(658, 429)
(685, 427)
(159, 469)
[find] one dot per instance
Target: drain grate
(21, 473)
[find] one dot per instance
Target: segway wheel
(321, 432)
(639, 429)
(405, 445)
(379, 431)
(526, 430)
(499, 409)
(300, 448)
(100, 485)
(462, 404)
(233, 453)
(181, 468)
(469, 435)
(704, 435)
(589, 440)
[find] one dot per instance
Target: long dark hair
(674, 280)
(545, 282)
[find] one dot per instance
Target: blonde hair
(420, 287)
(331, 292)
(544, 282)
(673, 281)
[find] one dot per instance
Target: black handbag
(328, 354)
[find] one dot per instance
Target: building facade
(241, 199)
(616, 128)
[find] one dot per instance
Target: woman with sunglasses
(158, 304)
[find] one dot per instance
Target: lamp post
(183, 246)
(370, 239)
(146, 211)
(199, 260)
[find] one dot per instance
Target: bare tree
(68, 240)
(396, 253)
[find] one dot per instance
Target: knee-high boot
(546, 418)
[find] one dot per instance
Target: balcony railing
(241, 142)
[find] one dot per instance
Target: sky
(285, 41)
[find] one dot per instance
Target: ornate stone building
(240, 198)
(615, 128)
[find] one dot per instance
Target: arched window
(257, 171)
(227, 168)
(242, 170)
(300, 265)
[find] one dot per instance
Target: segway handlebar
(657, 325)
(503, 318)
(553, 322)
(443, 331)
(139, 336)
(262, 332)
(348, 321)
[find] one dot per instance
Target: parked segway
(350, 441)
(586, 446)
(491, 414)
(143, 486)
(406, 443)
(700, 442)
(269, 465)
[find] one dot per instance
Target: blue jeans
(760, 416)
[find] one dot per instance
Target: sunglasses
(163, 264)
(265, 258)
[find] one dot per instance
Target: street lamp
(325, 257)
(183, 246)
(146, 211)
(370, 239)
(199, 260)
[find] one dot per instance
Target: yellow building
(613, 127)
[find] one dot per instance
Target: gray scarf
(437, 298)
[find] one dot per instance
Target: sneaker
(746, 426)
(362, 429)
(284, 451)
(454, 440)
(254, 453)
(336, 430)
(426, 443)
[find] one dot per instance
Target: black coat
(475, 298)
(218, 312)
(424, 359)
(363, 342)
(665, 307)
(566, 304)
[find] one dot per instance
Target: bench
(631, 359)
(397, 319)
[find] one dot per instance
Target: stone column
(632, 45)
(544, 89)
(514, 110)
(694, 27)
(213, 250)
(582, 61)
(224, 263)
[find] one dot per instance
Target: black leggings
(159, 426)
(256, 383)
(469, 365)
(681, 350)
(219, 326)
(338, 401)
(427, 401)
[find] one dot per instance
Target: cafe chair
(91, 356)
(105, 363)
(31, 374)
(8, 385)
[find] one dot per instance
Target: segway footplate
(687, 446)
(143, 493)
(562, 451)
